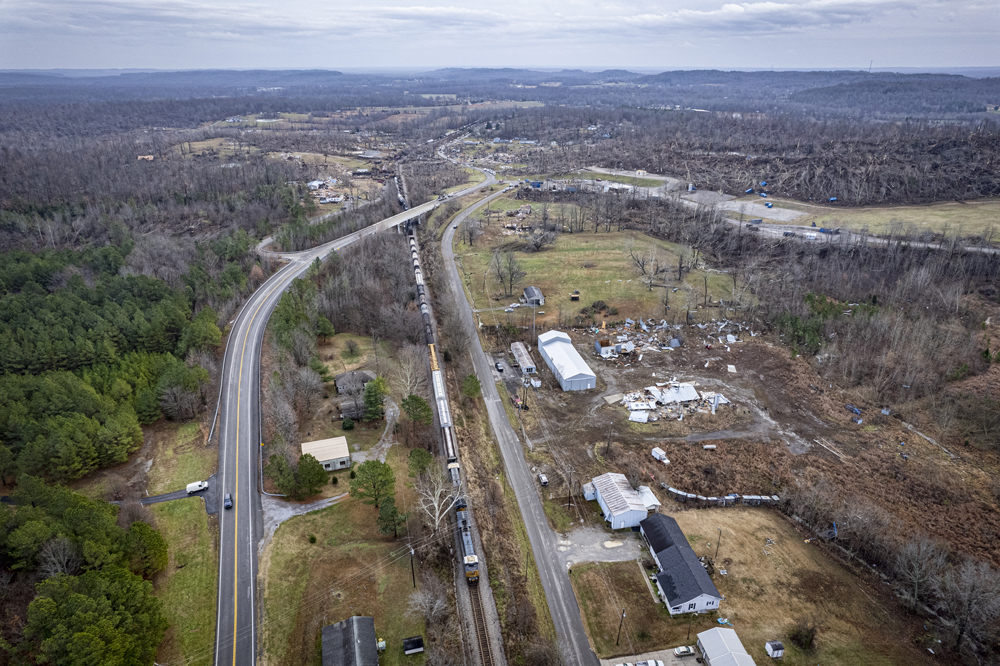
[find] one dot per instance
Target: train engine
(470, 561)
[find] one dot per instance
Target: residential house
(350, 643)
(682, 584)
(332, 453)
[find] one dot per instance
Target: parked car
(228, 501)
(542, 479)
(627, 663)
(651, 662)
(508, 309)
(684, 651)
(498, 366)
(197, 486)
(788, 233)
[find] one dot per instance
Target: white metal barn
(565, 362)
(620, 504)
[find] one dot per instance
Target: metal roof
(521, 355)
(327, 449)
(722, 646)
(350, 643)
(532, 292)
(617, 494)
(566, 359)
(681, 576)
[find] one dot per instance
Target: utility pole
(413, 573)
(690, 622)
(717, 544)
(623, 622)
(607, 450)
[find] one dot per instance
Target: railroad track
(482, 636)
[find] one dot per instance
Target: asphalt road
(241, 527)
(555, 580)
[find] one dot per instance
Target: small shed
(775, 649)
(523, 358)
(589, 492)
(332, 453)
(647, 497)
(532, 296)
(413, 645)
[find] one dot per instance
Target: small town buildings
(350, 643)
(682, 584)
(353, 381)
(523, 358)
(532, 296)
(722, 647)
(565, 362)
(621, 505)
(332, 454)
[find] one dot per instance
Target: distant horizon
(644, 70)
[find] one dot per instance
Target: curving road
(241, 527)
(559, 593)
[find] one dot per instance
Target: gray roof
(681, 576)
(532, 292)
(350, 643)
(353, 380)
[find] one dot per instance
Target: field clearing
(474, 177)
(192, 568)
(765, 595)
(597, 266)
(351, 569)
(584, 174)
(968, 218)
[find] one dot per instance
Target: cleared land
(351, 569)
(593, 263)
(187, 586)
(765, 596)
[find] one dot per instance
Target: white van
(197, 486)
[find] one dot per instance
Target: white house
(620, 505)
(565, 362)
(722, 647)
(333, 453)
(683, 584)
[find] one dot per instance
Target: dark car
(227, 502)
(498, 366)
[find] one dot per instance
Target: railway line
(479, 620)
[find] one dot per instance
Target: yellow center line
(239, 393)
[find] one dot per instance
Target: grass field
(594, 264)
(764, 596)
(187, 586)
(351, 569)
(972, 218)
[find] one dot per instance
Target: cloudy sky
(647, 34)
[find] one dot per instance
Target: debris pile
(670, 400)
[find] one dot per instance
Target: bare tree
(437, 496)
(919, 563)
(499, 269)
(134, 512)
(118, 487)
(59, 556)
(431, 600)
(178, 403)
(409, 374)
(308, 388)
(514, 271)
(970, 596)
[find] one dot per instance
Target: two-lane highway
(240, 441)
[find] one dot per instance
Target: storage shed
(523, 358)
(621, 506)
(532, 296)
(350, 643)
(722, 647)
(589, 492)
(565, 362)
(775, 649)
(332, 454)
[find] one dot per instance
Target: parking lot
(666, 656)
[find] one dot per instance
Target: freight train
(470, 561)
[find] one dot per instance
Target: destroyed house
(683, 584)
